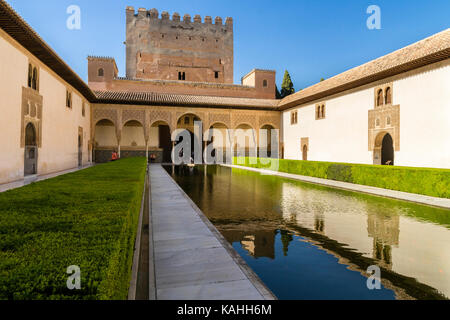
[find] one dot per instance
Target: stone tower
(165, 48)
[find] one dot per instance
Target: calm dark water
(312, 242)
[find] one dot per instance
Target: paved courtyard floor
(192, 261)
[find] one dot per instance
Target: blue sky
(312, 39)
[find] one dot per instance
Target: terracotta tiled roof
(430, 50)
(150, 98)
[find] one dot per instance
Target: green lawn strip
(87, 218)
(426, 181)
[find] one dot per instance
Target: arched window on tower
(101, 72)
(388, 96)
(379, 97)
(265, 83)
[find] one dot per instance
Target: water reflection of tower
(257, 243)
(385, 231)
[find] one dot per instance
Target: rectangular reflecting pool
(307, 241)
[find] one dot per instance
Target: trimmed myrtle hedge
(427, 181)
(87, 218)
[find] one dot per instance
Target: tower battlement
(171, 47)
(143, 13)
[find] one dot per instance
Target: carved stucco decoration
(32, 103)
(271, 120)
(244, 118)
(137, 115)
(382, 120)
(220, 117)
(162, 115)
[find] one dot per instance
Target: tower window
(216, 74)
(101, 72)
(181, 75)
(265, 83)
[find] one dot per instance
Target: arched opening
(388, 96)
(219, 139)
(30, 163)
(105, 141)
(387, 150)
(380, 97)
(101, 72)
(245, 141)
(132, 142)
(265, 83)
(383, 152)
(160, 143)
(305, 153)
(187, 122)
(265, 142)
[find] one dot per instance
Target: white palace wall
(423, 96)
(59, 124)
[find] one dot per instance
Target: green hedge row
(87, 218)
(426, 181)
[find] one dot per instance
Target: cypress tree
(277, 93)
(287, 86)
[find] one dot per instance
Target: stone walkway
(36, 178)
(192, 260)
(412, 197)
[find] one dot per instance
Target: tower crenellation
(143, 13)
(160, 46)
